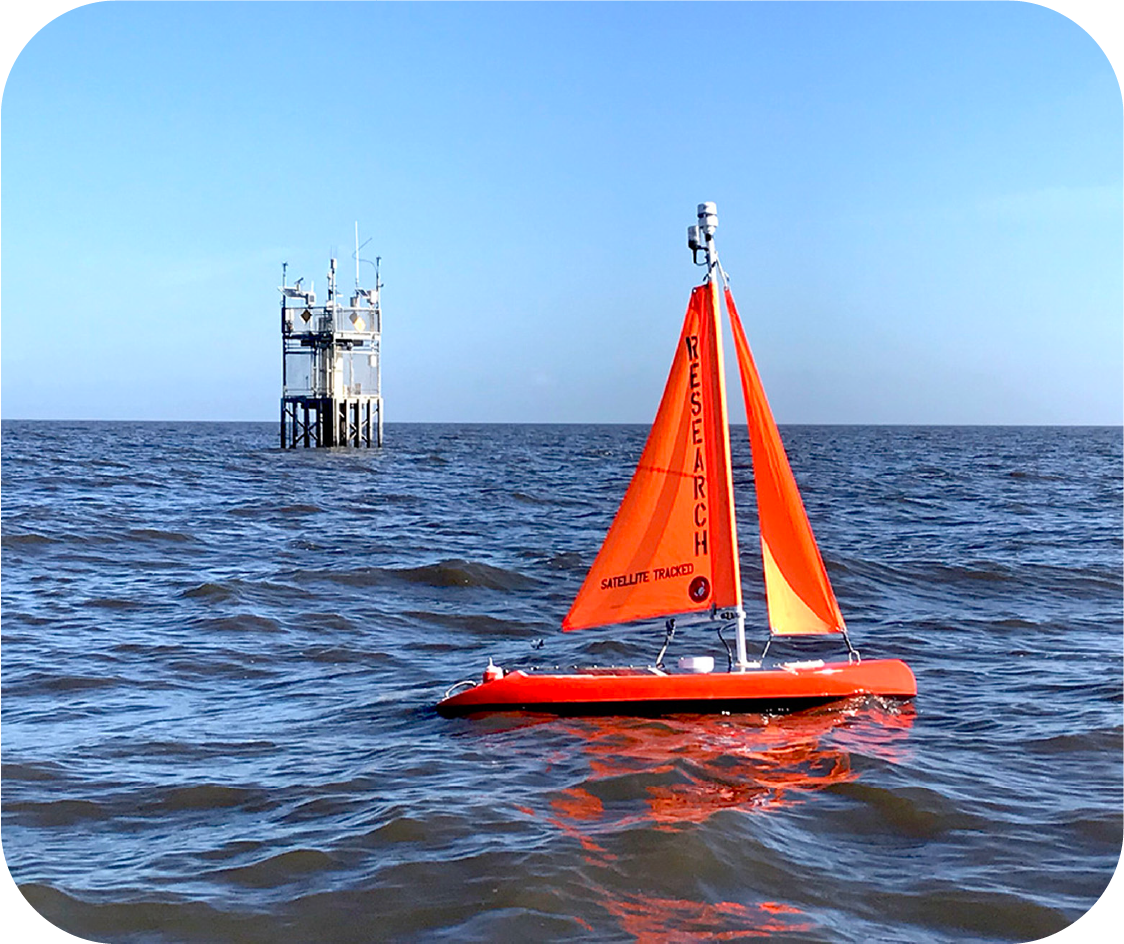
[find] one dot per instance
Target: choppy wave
(24, 540)
(212, 592)
(479, 624)
(220, 662)
(446, 573)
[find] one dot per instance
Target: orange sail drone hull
(672, 551)
(646, 691)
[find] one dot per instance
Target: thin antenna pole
(378, 302)
(357, 254)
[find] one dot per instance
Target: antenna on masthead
(701, 236)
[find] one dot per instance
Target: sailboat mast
(707, 226)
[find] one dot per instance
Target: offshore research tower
(331, 371)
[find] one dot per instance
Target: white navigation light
(693, 239)
(708, 218)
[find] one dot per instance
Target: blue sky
(920, 205)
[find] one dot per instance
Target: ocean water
(220, 660)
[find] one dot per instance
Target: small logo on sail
(699, 589)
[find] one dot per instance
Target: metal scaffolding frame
(331, 364)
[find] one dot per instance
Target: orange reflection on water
(678, 772)
(577, 805)
(671, 920)
(692, 767)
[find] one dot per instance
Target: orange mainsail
(799, 594)
(672, 547)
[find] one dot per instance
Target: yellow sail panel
(788, 613)
(799, 593)
(672, 547)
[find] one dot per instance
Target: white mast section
(702, 237)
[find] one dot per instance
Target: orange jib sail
(672, 547)
(799, 594)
